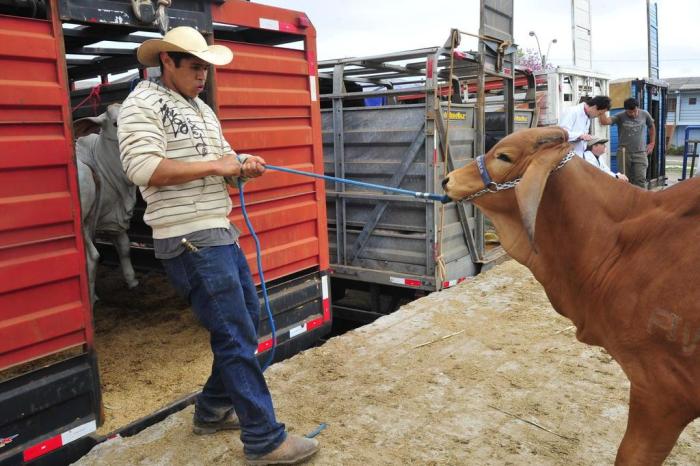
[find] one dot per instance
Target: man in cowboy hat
(172, 146)
(596, 148)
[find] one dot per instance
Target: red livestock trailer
(267, 100)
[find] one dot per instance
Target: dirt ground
(151, 349)
(482, 373)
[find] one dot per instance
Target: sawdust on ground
(483, 373)
(151, 349)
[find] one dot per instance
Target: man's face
(598, 149)
(593, 112)
(189, 78)
(632, 113)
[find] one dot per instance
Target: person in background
(596, 148)
(631, 126)
(173, 147)
(576, 120)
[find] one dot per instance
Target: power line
(644, 59)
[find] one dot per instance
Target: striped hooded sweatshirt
(155, 123)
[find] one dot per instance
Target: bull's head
(528, 154)
(105, 123)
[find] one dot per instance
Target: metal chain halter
(493, 187)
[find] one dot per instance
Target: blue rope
(266, 298)
(430, 196)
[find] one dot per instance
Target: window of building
(692, 101)
(671, 104)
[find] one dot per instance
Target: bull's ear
(529, 191)
(88, 125)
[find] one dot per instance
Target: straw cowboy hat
(183, 39)
(596, 140)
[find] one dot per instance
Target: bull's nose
(444, 182)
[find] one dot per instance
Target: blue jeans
(217, 282)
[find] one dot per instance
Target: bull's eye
(503, 157)
(115, 124)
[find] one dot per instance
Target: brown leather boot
(229, 422)
(293, 450)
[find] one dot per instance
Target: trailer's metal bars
(395, 182)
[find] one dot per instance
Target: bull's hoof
(131, 284)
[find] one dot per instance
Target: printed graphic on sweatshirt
(173, 122)
(198, 134)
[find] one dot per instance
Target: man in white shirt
(596, 148)
(577, 120)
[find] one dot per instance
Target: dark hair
(601, 102)
(631, 103)
(177, 57)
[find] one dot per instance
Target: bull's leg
(91, 257)
(653, 426)
(121, 244)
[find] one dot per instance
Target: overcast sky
(366, 27)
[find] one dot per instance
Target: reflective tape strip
(275, 25)
(288, 27)
(305, 327)
(314, 324)
(326, 310)
(324, 287)
(266, 23)
(449, 283)
(311, 61)
(312, 88)
(264, 346)
(325, 298)
(404, 281)
(57, 441)
(298, 330)
(77, 432)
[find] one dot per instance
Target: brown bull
(613, 258)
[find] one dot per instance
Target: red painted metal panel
(44, 305)
(243, 13)
(36, 209)
(268, 105)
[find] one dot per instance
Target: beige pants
(636, 164)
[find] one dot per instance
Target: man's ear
(165, 59)
(529, 191)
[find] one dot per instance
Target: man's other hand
(228, 166)
(253, 167)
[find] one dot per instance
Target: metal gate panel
(380, 142)
(268, 105)
(497, 19)
(581, 33)
(653, 39)
(44, 305)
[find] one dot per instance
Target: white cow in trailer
(107, 197)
